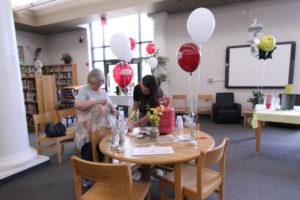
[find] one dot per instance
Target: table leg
(245, 119)
(178, 181)
(257, 134)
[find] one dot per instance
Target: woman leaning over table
(94, 107)
(145, 96)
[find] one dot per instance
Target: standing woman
(145, 96)
(94, 107)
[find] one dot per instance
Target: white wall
(30, 42)
(67, 42)
(280, 18)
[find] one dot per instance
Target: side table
(247, 114)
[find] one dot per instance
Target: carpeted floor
(272, 174)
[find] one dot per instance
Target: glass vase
(192, 140)
(154, 134)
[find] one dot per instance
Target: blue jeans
(141, 115)
(87, 153)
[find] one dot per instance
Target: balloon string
(197, 86)
(191, 97)
(263, 76)
(258, 83)
(124, 81)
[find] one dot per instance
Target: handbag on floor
(55, 130)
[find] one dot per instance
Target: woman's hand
(131, 126)
(115, 112)
(102, 101)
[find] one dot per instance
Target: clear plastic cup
(179, 122)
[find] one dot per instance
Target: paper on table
(138, 151)
(184, 137)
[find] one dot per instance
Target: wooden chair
(180, 109)
(207, 109)
(69, 113)
(112, 181)
(199, 181)
(57, 142)
(96, 138)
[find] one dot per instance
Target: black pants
(87, 153)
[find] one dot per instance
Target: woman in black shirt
(145, 96)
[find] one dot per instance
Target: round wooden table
(182, 152)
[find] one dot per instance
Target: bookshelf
(39, 95)
(65, 74)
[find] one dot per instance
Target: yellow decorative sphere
(267, 43)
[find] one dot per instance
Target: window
(139, 27)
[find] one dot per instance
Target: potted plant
(66, 58)
(24, 67)
(258, 98)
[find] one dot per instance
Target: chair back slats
(206, 97)
(179, 96)
(215, 155)
(66, 113)
(45, 117)
(42, 119)
(182, 99)
(110, 176)
(210, 158)
(208, 101)
(96, 137)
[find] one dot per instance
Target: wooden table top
(182, 150)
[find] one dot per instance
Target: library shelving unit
(65, 74)
(39, 95)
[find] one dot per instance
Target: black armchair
(225, 110)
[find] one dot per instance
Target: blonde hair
(95, 76)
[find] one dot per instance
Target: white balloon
(153, 62)
(128, 57)
(120, 45)
(201, 25)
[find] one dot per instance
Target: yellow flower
(132, 116)
(154, 115)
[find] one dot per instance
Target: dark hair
(150, 82)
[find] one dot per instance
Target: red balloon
(188, 57)
(132, 42)
(150, 48)
(122, 74)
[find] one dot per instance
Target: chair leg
(39, 147)
(161, 192)
(62, 148)
(149, 194)
(77, 151)
(58, 152)
(221, 192)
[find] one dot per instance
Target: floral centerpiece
(132, 116)
(154, 115)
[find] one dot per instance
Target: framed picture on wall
(21, 52)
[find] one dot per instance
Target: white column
(160, 39)
(15, 152)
